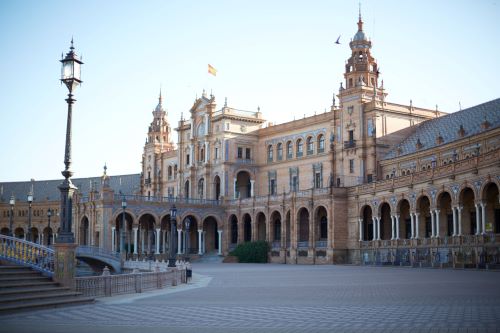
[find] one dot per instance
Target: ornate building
(369, 181)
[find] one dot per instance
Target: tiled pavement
(281, 298)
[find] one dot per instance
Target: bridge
(41, 258)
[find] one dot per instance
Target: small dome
(360, 35)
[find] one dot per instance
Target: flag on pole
(212, 70)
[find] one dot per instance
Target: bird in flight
(338, 40)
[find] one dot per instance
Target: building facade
(369, 181)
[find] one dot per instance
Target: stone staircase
(22, 288)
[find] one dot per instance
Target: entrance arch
(194, 245)
(385, 221)
(233, 222)
(321, 224)
(247, 228)
(211, 236)
(490, 198)
(424, 209)
(404, 219)
(445, 214)
(128, 246)
(366, 213)
(261, 227)
(303, 223)
(469, 214)
(275, 227)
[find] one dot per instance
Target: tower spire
(360, 20)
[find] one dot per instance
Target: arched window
(175, 171)
(321, 143)
(169, 172)
(201, 184)
(300, 148)
(270, 153)
(310, 146)
(280, 151)
(289, 150)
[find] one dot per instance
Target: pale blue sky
(279, 55)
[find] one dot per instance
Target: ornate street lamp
(49, 232)
(122, 231)
(187, 223)
(12, 202)
(70, 76)
(30, 201)
(173, 217)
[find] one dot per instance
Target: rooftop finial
(360, 20)
(72, 47)
(160, 99)
(225, 102)
(105, 168)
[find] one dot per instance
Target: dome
(360, 35)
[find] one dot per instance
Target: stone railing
(19, 251)
(110, 285)
(97, 251)
(173, 200)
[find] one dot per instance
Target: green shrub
(251, 252)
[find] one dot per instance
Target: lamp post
(30, 201)
(173, 216)
(122, 228)
(187, 223)
(70, 76)
(49, 232)
(12, 202)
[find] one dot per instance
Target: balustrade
(39, 257)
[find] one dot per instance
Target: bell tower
(158, 142)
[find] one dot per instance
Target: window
(310, 146)
(270, 153)
(272, 187)
(351, 135)
(317, 180)
(351, 166)
(280, 151)
(321, 143)
(247, 154)
(289, 151)
(201, 184)
(294, 184)
(323, 228)
(187, 159)
(300, 148)
(169, 172)
(240, 152)
(350, 83)
(369, 178)
(202, 154)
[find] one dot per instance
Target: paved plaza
(286, 298)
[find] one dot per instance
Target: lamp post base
(171, 262)
(64, 270)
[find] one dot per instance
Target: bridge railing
(19, 251)
(96, 251)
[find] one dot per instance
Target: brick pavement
(284, 298)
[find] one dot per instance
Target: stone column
(143, 235)
(374, 220)
(478, 220)
(396, 218)
(157, 240)
(220, 242)
(378, 228)
(437, 211)
(252, 182)
(206, 152)
(163, 232)
(360, 229)
(412, 226)
(179, 241)
(459, 212)
(483, 217)
(113, 239)
(191, 152)
(393, 228)
(135, 240)
(199, 241)
(433, 227)
(417, 215)
(454, 220)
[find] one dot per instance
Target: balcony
(349, 144)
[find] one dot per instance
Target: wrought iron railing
(19, 251)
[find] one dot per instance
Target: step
(14, 271)
(43, 304)
(21, 291)
(2, 267)
(23, 284)
(29, 278)
(58, 294)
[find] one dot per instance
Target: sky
(276, 55)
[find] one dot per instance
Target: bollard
(107, 281)
(137, 280)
